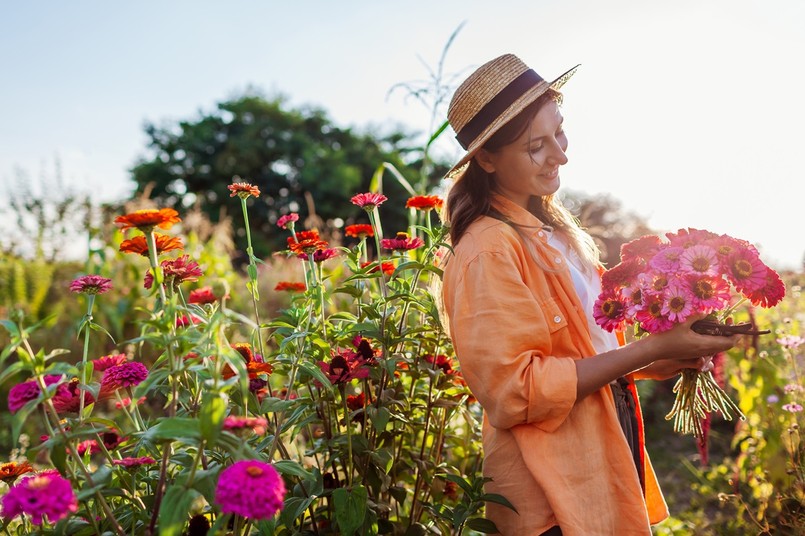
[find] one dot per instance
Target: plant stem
(84, 379)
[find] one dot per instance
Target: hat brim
(510, 113)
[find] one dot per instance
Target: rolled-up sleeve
(502, 335)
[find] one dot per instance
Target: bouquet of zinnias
(660, 283)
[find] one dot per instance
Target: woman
(562, 430)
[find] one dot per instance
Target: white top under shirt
(588, 287)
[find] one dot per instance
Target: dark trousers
(553, 531)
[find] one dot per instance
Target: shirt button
(557, 319)
(558, 260)
(540, 233)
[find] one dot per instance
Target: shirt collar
(517, 214)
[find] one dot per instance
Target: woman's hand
(681, 343)
(668, 368)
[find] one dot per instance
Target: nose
(557, 156)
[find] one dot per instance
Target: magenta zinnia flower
(250, 488)
(91, 284)
(699, 260)
(107, 361)
(134, 463)
(709, 293)
(46, 496)
(126, 375)
(402, 242)
(67, 397)
(24, 392)
(258, 425)
(650, 317)
(287, 221)
(368, 201)
(678, 302)
(609, 312)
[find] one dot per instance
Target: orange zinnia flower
(244, 190)
(145, 220)
(11, 470)
(424, 202)
(359, 230)
(139, 244)
(290, 286)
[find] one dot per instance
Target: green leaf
(11, 370)
(290, 467)
(174, 428)
(175, 509)
(318, 374)
(211, 416)
(350, 508)
(499, 499)
(379, 416)
(483, 525)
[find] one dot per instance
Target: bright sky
(690, 112)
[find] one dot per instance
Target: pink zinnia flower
(176, 271)
(46, 496)
(667, 260)
(771, 293)
(258, 425)
(402, 242)
(609, 312)
(746, 271)
(250, 488)
(726, 245)
(344, 367)
(709, 293)
(127, 374)
(134, 463)
(640, 250)
(24, 392)
(689, 237)
(650, 317)
(88, 445)
(633, 300)
(368, 201)
(91, 284)
(244, 190)
(287, 221)
(103, 363)
(320, 255)
(202, 295)
(678, 302)
(653, 282)
(699, 260)
(67, 397)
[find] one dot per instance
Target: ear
(486, 160)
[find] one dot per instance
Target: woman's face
(530, 164)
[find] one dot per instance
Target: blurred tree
(609, 224)
(298, 158)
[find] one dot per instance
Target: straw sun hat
(492, 96)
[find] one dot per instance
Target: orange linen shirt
(517, 329)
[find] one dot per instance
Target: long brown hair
(470, 196)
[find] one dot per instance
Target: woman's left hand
(668, 368)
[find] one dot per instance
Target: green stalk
(349, 435)
(84, 379)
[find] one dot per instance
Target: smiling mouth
(552, 175)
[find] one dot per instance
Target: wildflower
(667, 260)
(425, 202)
(139, 244)
(258, 425)
(127, 374)
(145, 220)
(359, 230)
(793, 388)
(791, 341)
(289, 286)
(386, 266)
(792, 407)
(10, 471)
(746, 271)
(250, 488)
(772, 399)
(700, 260)
(22, 393)
(770, 293)
(641, 249)
(46, 496)
(609, 312)
(103, 363)
(402, 242)
(678, 303)
(287, 221)
(202, 295)
(177, 271)
(244, 190)
(368, 201)
(91, 284)
(134, 463)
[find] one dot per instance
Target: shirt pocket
(555, 317)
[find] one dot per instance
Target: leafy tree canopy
(298, 158)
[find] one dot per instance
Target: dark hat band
(495, 107)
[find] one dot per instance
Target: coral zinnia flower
(387, 267)
(250, 488)
(700, 260)
(772, 291)
(244, 190)
(620, 275)
(176, 271)
(609, 312)
(139, 244)
(287, 221)
(45, 496)
(67, 397)
(134, 463)
(402, 242)
(107, 361)
(359, 230)
(91, 284)
(258, 425)
(9, 472)
(145, 220)
(289, 286)
(424, 202)
(368, 201)
(641, 249)
(746, 271)
(202, 295)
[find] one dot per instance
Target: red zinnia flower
(359, 230)
(402, 242)
(387, 267)
(441, 361)
(425, 202)
(772, 291)
(67, 397)
(356, 402)
(620, 275)
(91, 284)
(290, 286)
(287, 221)
(368, 201)
(139, 244)
(202, 295)
(709, 292)
(145, 220)
(746, 271)
(244, 190)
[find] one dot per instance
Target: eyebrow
(531, 140)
